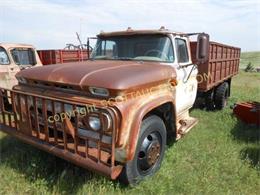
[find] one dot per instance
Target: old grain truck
(112, 114)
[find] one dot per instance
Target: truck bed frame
(223, 63)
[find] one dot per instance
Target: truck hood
(115, 75)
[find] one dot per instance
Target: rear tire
(209, 100)
(221, 96)
(149, 151)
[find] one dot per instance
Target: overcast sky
(53, 23)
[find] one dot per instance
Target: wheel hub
(149, 153)
(153, 153)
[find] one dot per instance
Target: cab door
(186, 90)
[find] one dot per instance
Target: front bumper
(24, 120)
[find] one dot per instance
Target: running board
(185, 126)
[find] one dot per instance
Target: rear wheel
(221, 96)
(209, 100)
(149, 151)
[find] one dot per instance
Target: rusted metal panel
(223, 63)
(248, 112)
(129, 75)
(29, 120)
(62, 56)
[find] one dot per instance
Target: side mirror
(202, 53)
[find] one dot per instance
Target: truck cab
(13, 58)
(163, 47)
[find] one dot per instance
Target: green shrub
(249, 67)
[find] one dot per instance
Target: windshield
(23, 56)
(138, 47)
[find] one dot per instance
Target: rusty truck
(112, 114)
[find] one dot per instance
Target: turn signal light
(174, 82)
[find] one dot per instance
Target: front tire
(149, 151)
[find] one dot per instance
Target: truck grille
(28, 115)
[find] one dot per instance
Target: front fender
(132, 113)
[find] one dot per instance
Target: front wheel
(149, 151)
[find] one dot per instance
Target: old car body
(13, 58)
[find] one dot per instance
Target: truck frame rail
(28, 119)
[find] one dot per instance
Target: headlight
(94, 122)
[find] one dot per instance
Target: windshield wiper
(124, 58)
(101, 58)
(111, 58)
